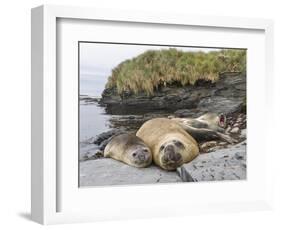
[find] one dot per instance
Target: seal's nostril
(141, 157)
(171, 155)
(169, 148)
(165, 157)
(178, 156)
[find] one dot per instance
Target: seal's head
(139, 156)
(170, 154)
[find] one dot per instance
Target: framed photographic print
(139, 115)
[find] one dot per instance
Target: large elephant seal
(129, 149)
(170, 145)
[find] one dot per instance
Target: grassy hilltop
(155, 68)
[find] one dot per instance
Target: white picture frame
(47, 177)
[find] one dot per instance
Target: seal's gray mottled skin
(129, 149)
(209, 126)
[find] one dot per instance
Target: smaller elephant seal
(170, 144)
(129, 149)
(209, 126)
(212, 121)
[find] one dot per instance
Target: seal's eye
(178, 144)
(162, 147)
(134, 154)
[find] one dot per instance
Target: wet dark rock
(193, 113)
(104, 136)
(89, 151)
(227, 95)
(93, 148)
(220, 104)
(85, 99)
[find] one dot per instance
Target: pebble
(206, 146)
(243, 133)
(239, 119)
(235, 130)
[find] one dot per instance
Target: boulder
(223, 164)
(106, 171)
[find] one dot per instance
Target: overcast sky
(100, 59)
(97, 60)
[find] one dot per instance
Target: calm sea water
(93, 119)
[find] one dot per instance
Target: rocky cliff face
(227, 95)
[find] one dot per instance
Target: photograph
(158, 113)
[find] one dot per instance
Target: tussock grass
(155, 68)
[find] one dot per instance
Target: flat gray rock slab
(106, 171)
(223, 164)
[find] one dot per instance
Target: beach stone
(106, 171)
(239, 120)
(223, 164)
(243, 133)
(235, 130)
(207, 145)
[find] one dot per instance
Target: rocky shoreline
(224, 164)
(218, 160)
(92, 148)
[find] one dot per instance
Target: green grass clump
(155, 68)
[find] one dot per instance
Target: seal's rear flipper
(206, 134)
